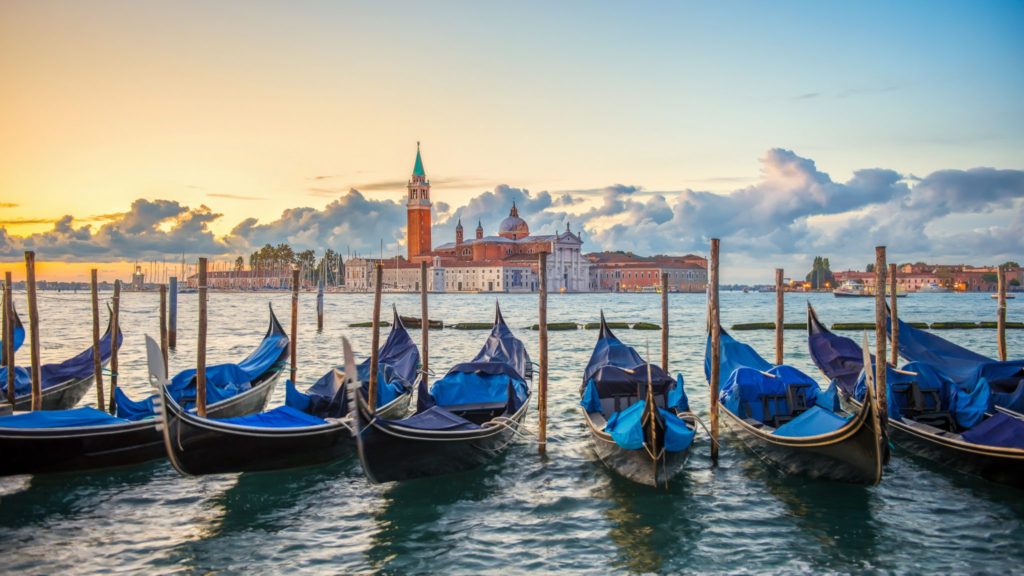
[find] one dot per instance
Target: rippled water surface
(522, 513)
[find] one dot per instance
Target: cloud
(8, 205)
(792, 212)
(150, 229)
(235, 196)
(349, 222)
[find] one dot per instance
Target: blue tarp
(838, 357)
(626, 428)
(616, 369)
(397, 366)
(75, 368)
(280, 417)
(748, 392)
(130, 409)
(812, 422)
(223, 381)
(998, 430)
(964, 367)
(19, 337)
(495, 375)
(85, 416)
(434, 418)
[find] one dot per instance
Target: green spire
(417, 170)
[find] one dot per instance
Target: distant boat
(853, 289)
(1008, 296)
(933, 288)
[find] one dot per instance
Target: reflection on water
(521, 513)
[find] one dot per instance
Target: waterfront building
(627, 272)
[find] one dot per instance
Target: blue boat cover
(626, 428)
(280, 417)
(223, 381)
(19, 337)
(397, 366)
(838, 357)
(85, 416)
(812, 422)
(434, 418)
(75, 368)
(616, 369)
(130, 409)
(964, 367)
(494, 376)
(998, 430)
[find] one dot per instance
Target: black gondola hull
(852, 454)
(60, 397)
(39, 451)
(1001, 465)
(394, 454)
(636, 465)
(197, 446)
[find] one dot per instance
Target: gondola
(86, 438)
(929, 416)
(783, 416)
(638, 416)
(18, 340)
(311, 428)
(63, 384)
(966, 368)
(463, 421)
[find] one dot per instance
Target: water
(521, 513)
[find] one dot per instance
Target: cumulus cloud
(792, 212)
(350, 222)
(150, 229)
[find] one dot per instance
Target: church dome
(513, 227)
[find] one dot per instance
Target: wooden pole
(664, 321)
(780, 315)
(374, 353)
(293, 344)
(97, 358)
(716, 338)
(320, 306)
(201, 345)
(894, 325)
(115, 329)
(172, 314)
(542, 386)
(880, 338)
(1001, 313)
(9, 336)
(163, 326)
(425, 322)
(33, 327)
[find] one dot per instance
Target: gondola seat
(773, 397)
(280, 417)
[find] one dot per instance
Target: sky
(149, 130)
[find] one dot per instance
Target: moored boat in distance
(933, 288)
(785, 418)
(929, 416)
(463, 421)
(857, 289)
(638, 416)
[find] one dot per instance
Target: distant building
(278, 278)
(138, 279)
(627, 272)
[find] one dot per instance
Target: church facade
(502, 262)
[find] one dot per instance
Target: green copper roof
(417, 170)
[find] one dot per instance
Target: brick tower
(418, 212)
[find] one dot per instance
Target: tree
(820, 273)
(990, 277)
(1010, 264)
(239, 264)
(870, 267)
(1014, 282)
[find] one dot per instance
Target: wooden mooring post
(9, 336)
(542, 340)
(172, 314)
(881, 391)
(115, 330)
(371, 396)
(293, 344)
(425, 322)
(716, 341)
(201, 344)
(780, 315)
(33, 327)
(320, 306)
(894, 325)
(97, 357)
(1001, 313)
(664, 322)
(163, 327)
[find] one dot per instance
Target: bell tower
(418, 211)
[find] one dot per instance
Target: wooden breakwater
(871, 325)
